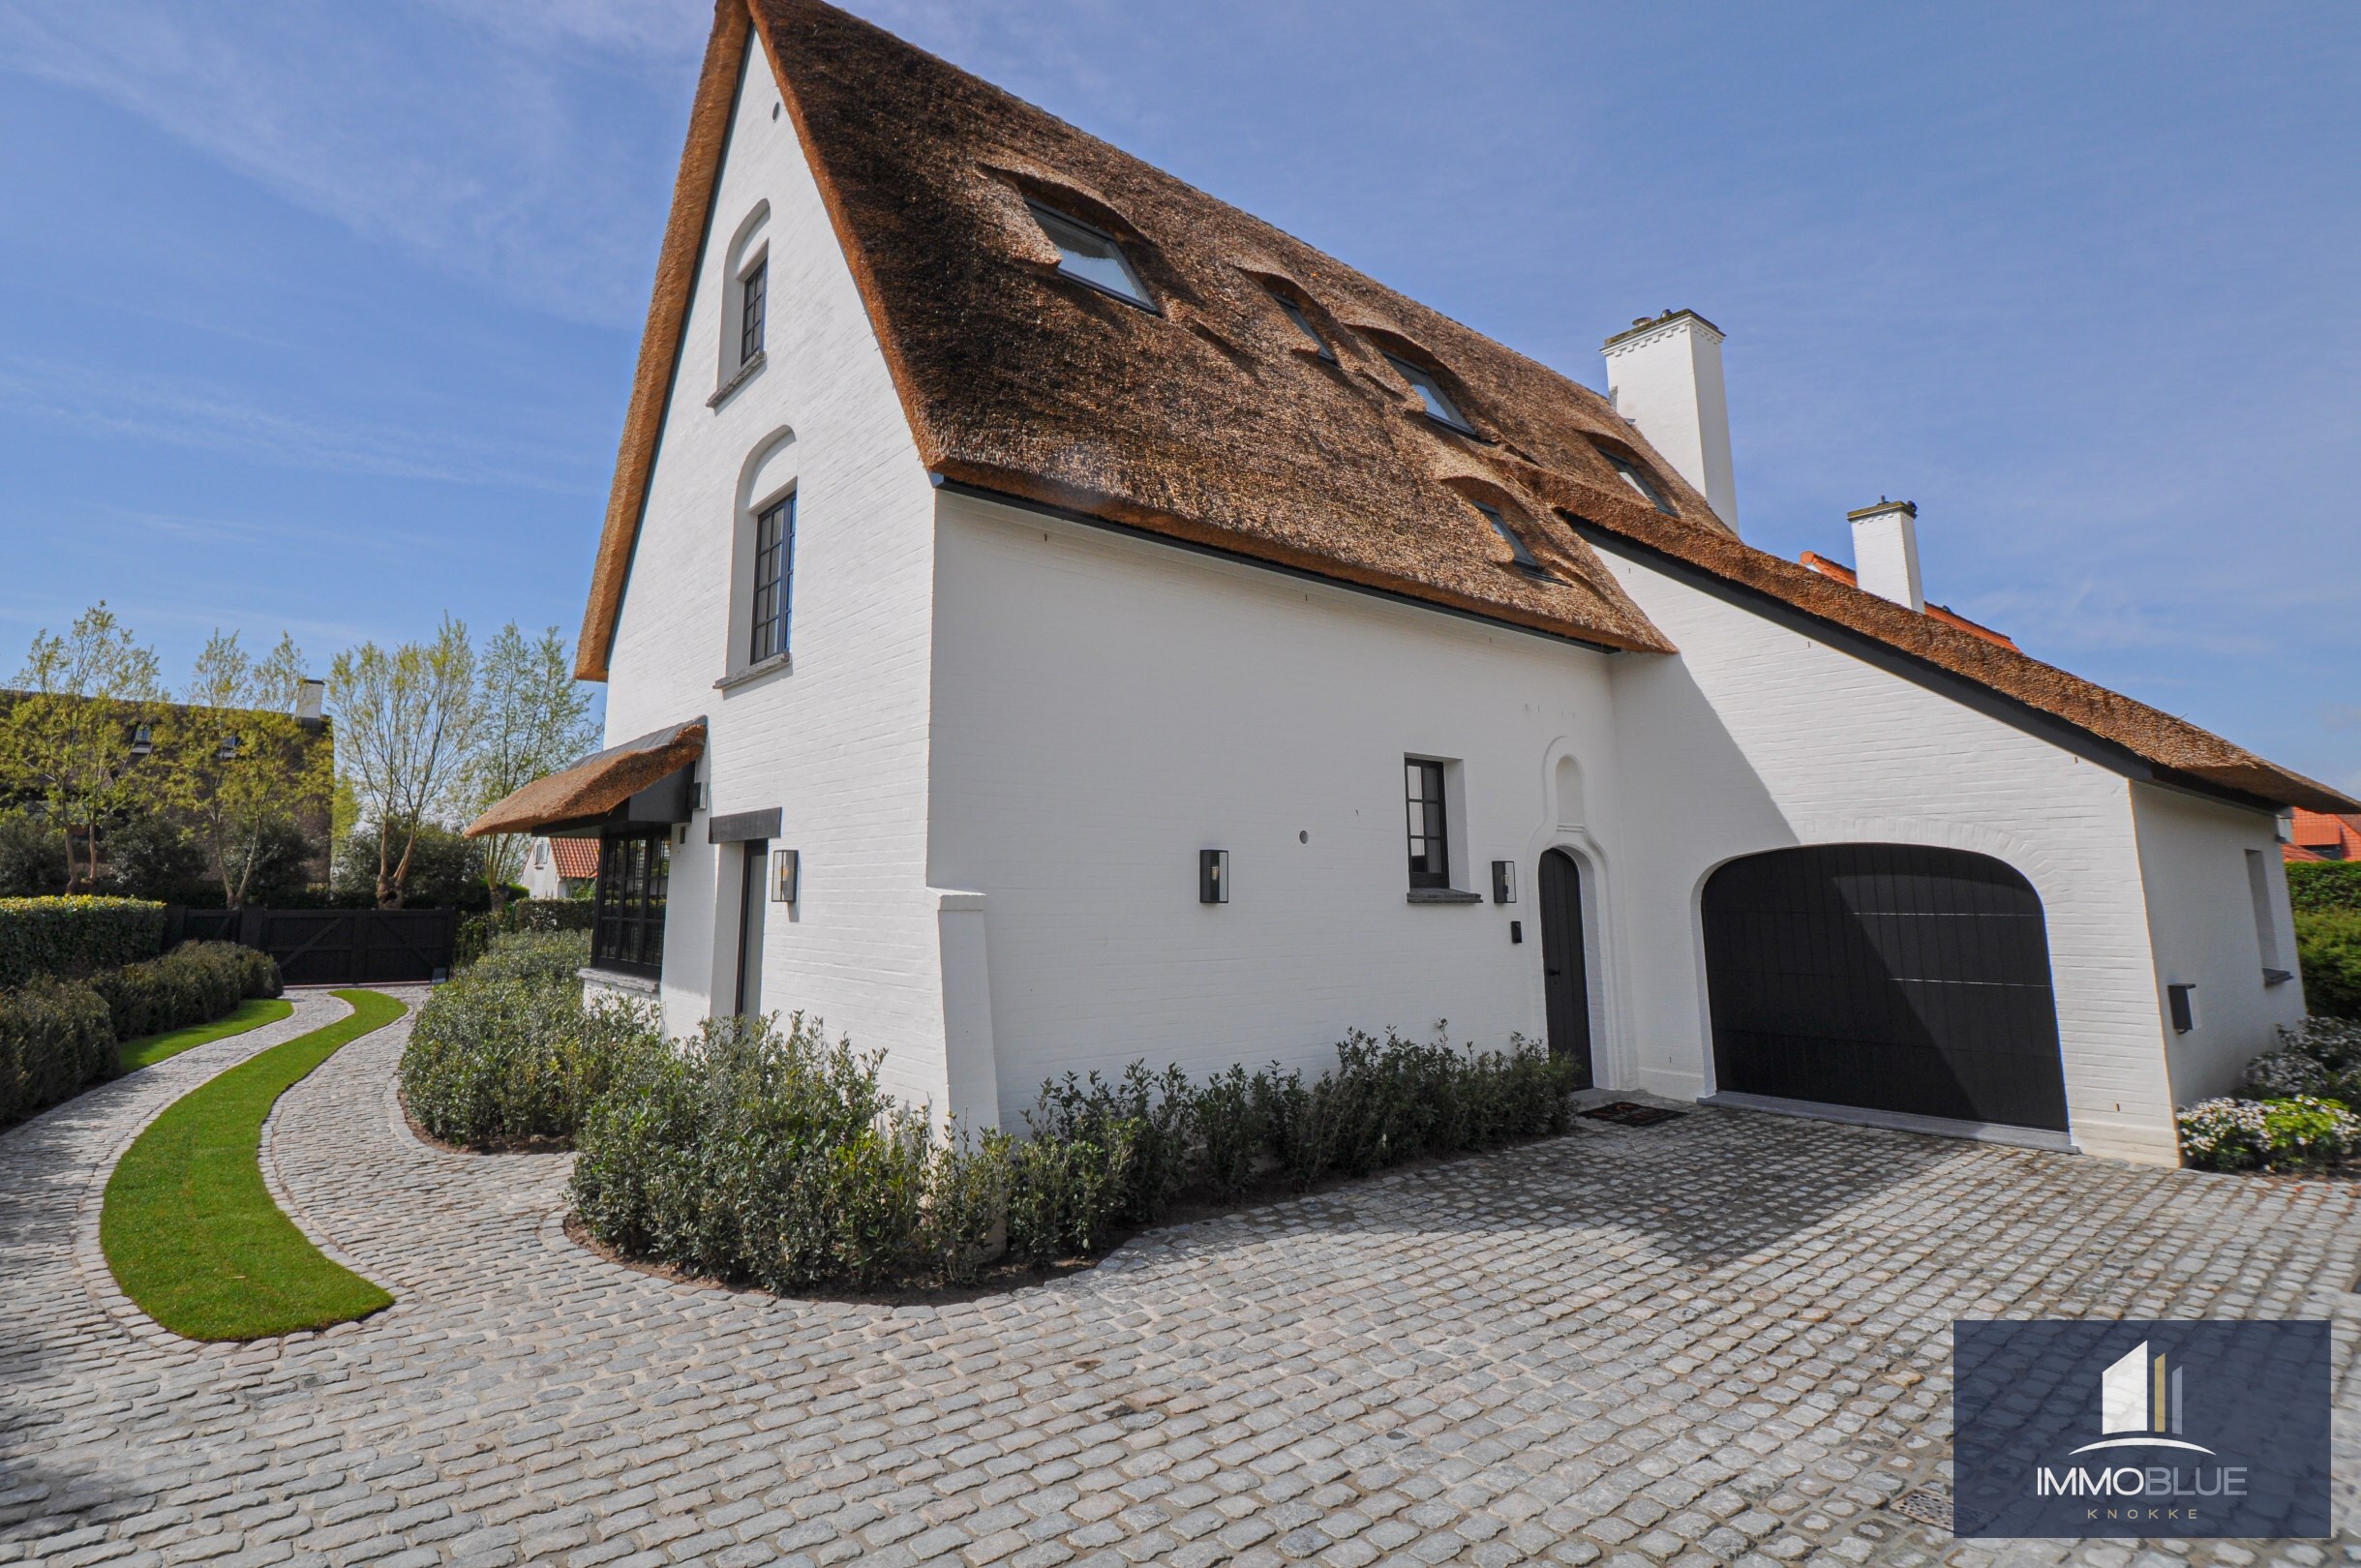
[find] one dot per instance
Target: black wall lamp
(1504, 881)
(1213, 876)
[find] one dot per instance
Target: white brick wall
(1758, 737)
(1106, 707)
(838, 741)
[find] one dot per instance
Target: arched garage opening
(1886, 977)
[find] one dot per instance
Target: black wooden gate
(1890, 977)
(332, 946)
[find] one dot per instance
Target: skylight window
(1637, 479)
(1516, 545)
(1438, 405)
(1089, 257)
(1296, 313)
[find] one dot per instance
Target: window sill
(2277, 977)
(751, 672)
(616, 979)
(746, 374)
(1443, 895)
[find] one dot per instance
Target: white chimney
(1665, 376)
(309, 700)
(1886, 552)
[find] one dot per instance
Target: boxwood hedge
(76, 936)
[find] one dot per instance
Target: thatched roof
(1211, 417)
(596, 785)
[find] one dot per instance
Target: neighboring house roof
(2319, 835)
(1844, 574)
(596, 785)
(576, 859)
(1213, 420)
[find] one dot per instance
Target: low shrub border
(188, 1224)
(251, 1013)
(55, 1042)
(194, 983)
(766, 1155)
(477, 933)
(76, 936)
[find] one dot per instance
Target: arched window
(745, 300)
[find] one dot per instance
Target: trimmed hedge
(772, 1157)
(477, 932)
(55, 1042)
(506, 1052)
(2314, 885)
(76, 936)
(2328, 951)
(196, 982)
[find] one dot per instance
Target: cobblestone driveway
(1722, 1340)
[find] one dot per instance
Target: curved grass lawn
(189, 1227)
(251, 1013)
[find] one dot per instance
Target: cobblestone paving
(1723, 1340)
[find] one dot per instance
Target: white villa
(1052, 619)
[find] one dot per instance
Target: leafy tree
(532, 719)
(32, 855)
(242, 766)
(153, 857)
(405, 720)
(72, 736)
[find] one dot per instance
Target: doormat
(1629, 1113)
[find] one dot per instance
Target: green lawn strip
(251, 1013)
(189, 1227)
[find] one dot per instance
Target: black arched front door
(1566, 980)
(1890, 977)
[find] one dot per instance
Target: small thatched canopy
(596, 786)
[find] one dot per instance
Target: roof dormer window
(1432, 397)
(1302, 319)
(1526, 562)
(1090, 256)
(1637, 478)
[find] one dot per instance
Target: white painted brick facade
(1003, 739)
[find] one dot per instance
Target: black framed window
(774, 573)
(754, 298)
(1524, 558)
(1430, 837)
(1637, 478)
(627, 917)
(1302, 319)
(1430, 394)
(1092, 257)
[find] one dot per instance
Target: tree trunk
(401, 872)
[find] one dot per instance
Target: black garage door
(1885, 975)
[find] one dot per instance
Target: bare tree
(404, 722)
(76, 735)
(241, 764)
(533, 719)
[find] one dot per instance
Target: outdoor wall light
(1504, 881)
(1213, 876)
(2184, 999)
(785, 866)
(1516, 930)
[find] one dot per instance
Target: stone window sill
(752, 671)
(746, 374)
(1443, 895)
(616, 979)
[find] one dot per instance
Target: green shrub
(196, 982)
(2319, 1057)
(32, 855)
(76, 936)
(2317, 884)
(55, 1042)
(775, 1158)
(756, 1155)
(507, 1051)
(477, 932)
(2299, 1133)
(2328, 951)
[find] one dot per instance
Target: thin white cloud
(187, 413)
(499, 144)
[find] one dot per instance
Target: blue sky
(323, 318)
